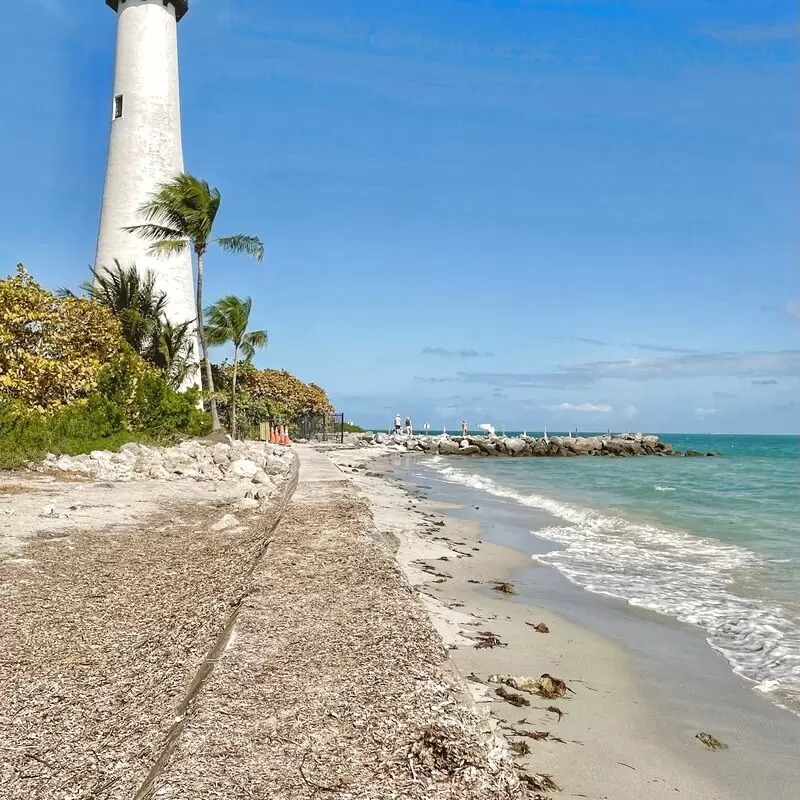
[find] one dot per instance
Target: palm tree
(132, 297)
(172, 352)
(134, 300)
(179, 215)
(227, 323)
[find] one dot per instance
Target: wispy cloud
(585, 408)
(654, 348)
(752, 34)
(462, 353)
(768, 382)
(425, 379)
(767, 364)
(660, 348)
(705, 412)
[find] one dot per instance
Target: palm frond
(247, 245)
(153, 232)
(227, 321)
(169, 247)
(252, 341)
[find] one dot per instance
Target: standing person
(463, 428)
(409, 428)
(398, 423)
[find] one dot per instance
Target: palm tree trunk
(201, 333)
(233, 391)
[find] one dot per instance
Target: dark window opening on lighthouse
(118, 106)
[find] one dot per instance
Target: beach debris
(515, 699)
(711, 742)
(520, 748)
(505, 588)
(447, 749)
(556, 710)
(537, 736)
(545, 686)
(539, 783)
(488, 639)
(540, 627)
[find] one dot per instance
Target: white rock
(157, 472)
(221, 454)
(228, 521)
(262, 478)
(243, 468)
(247, 504)
(212, 472)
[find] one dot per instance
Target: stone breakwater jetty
(621, 445)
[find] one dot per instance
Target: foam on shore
(690, 578)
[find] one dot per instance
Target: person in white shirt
(398, 424)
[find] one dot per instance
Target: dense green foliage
(127, 406)
(268, 395)
(51, 348)
(57, 394)
(349, 427)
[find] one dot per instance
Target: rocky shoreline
(621, 445)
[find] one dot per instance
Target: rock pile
(260, 469)
(625, 444)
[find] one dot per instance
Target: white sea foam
(672, 572)
(664, 488)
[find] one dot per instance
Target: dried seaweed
(545, 686)
(539, 783)
(505, 588)
(510, 697)
(488, 639)
(710, 741)
(556, 710)
(520, 748)
(540, 627)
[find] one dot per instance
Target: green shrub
(93, 424)
(131, 404)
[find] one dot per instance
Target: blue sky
(527, 213)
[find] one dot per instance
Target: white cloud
(705, 412)
(631, 411)
(792, 309)
(770, 364)
(587, 408)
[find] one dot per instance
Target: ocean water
(713, 542)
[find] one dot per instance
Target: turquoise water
(714, 542)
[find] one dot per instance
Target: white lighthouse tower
(145, 148)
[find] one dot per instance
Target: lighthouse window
(118, 106)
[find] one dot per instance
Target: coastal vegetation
(71, 383)
(228, 320)
(181, 215)
(266, 395)
(91, 372)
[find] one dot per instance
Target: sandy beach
(616, 736)
(169, 639)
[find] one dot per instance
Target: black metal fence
(321, 428)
